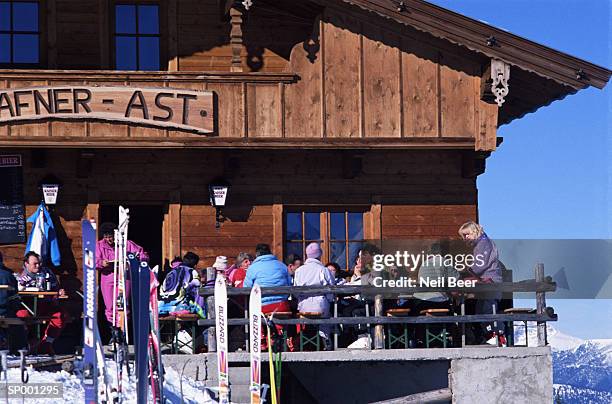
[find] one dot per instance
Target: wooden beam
(173, 56)
(277, 235)
(240, 143)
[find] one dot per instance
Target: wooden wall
(422, 194)
(358, 76)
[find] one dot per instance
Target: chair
(435, 336)
(305, 340)
(402, 338)
(510, 324)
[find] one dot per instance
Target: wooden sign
(162, 107)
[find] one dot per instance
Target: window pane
(125, 53)
(355, 226)
(337, 254)
(312, 226)
(5, 48)
(125, 19)
(294, 226)
(294, 248)
(337, 226)
(148, 21)
(5, 16)
(149, 53)
(25, 16)
(353, 253)
(25, 48)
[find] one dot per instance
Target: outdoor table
(35, 295)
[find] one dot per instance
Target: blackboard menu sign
(12, 213)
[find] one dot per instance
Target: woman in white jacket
(314, 273)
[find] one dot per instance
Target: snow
(193, 392)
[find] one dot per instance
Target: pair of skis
(254, 344)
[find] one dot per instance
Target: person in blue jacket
(267, 271)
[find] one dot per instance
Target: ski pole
(271, 362)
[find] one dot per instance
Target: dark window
(137, 37)
(340, 242)
(19, 32)
(301, 229)
(346, 237)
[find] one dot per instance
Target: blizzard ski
(155, 363)
(221, 325)
(255, 343)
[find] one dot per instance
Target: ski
(221, 325)
(255, 343)
(140, 277)
(119, 338)
(90, 307)
(93, 364)
(155, 362)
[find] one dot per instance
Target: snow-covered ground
(73, 391)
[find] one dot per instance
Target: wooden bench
(305, 340)
(403, 338)
(178, 322)
(432, 336)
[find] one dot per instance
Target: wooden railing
(540, 285)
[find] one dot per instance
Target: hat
(107, 228)
(220, 263)
(313, 250)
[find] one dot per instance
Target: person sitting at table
(105, 259)
(179, 288)
(11, 337)
(339, 275)
(313, 273)
(268, 271)
(486, 269)
(49, 306)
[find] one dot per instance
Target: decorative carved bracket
(500, 75)
(236, 38)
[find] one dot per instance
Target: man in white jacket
(314, 273)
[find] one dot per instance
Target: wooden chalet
(332, 120)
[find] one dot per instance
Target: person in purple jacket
(105, 257)
(487, 269)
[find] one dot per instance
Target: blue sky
(552, 176)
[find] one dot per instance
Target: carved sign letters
(163, 107)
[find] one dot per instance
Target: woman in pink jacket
(105, 256)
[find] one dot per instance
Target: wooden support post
(236, 39)
(540, 305)
(210, 312)
(379, 337)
